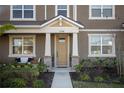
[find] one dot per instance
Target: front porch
(61, 50)
(64, 52)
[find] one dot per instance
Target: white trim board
(69, 31)
(75, 12)
(99, 30)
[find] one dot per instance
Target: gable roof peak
(60, 17)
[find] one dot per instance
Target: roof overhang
(60, 17)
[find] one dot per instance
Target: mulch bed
(74, 75)
(47, 77)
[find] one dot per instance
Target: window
(101, 45)
(22, 45)
(101, 12)
(62, 10)
(23, 12)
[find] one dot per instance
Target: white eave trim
(60, 16)
(99, 30)
(27, 26)
(85, 30)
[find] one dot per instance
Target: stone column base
(48, 61)
(75, 61)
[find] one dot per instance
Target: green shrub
(99, 79)
(38, 84)
(41, 67)
(26, 73)
(78, 67)
(15, 83)
(85, 77)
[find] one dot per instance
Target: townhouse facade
(62, 34)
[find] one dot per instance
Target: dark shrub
(38, 84)
(121, 79)
(15, 83)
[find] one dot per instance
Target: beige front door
(62, 50)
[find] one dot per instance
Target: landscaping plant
(15, 83)
(38, 84)
(85, 77)
(99, 79)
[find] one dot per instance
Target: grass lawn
(81, 84)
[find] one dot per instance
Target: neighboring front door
(62, 50)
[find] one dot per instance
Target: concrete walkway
(61, 79)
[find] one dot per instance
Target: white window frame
(21, 55)
(75, 12)
(101, 55)
(102, 18)
(23, 19)
(56, 10)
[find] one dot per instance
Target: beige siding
(4, 49)
(71, 11)
(40, 12)
(83, 17)
(4, 12)
(40, 45)
(50, 11)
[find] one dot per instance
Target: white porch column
(48, 45)
(75, 55)
(75, 45)
(47, 57)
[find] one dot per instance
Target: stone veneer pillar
(47, 57)
(75, 55)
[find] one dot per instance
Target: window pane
(17, 6)
(17, 46)
(62, 12)
(17, 13)
(17, 42)
(28, 13)
(28, 50)
(17, 49)
(107, 49)
(107, 40)
(95, 50)
(96, 12)
(28, 6)
(96, 6)
(107, 6)
(28, 41)
(107, 12)
(62, 6)
(96, 40)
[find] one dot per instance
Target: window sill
(22, 19)
(98, 18)
(14, 55)
(106, 55)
